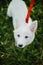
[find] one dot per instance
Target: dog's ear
(33, 26)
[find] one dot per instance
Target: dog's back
(18, 11)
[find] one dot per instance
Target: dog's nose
(20, 45)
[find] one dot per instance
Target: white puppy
(24, 33)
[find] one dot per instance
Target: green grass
(9, 53)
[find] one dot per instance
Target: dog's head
(25, 34)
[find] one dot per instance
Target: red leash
(29, 10)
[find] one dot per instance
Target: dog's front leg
(15, 23)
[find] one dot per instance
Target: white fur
(18, 10)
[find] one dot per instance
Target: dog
(24, 33)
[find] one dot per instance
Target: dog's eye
(26, 37)
(18, 35)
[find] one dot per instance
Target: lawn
(9, 53)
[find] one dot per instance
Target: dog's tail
(29, 10)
